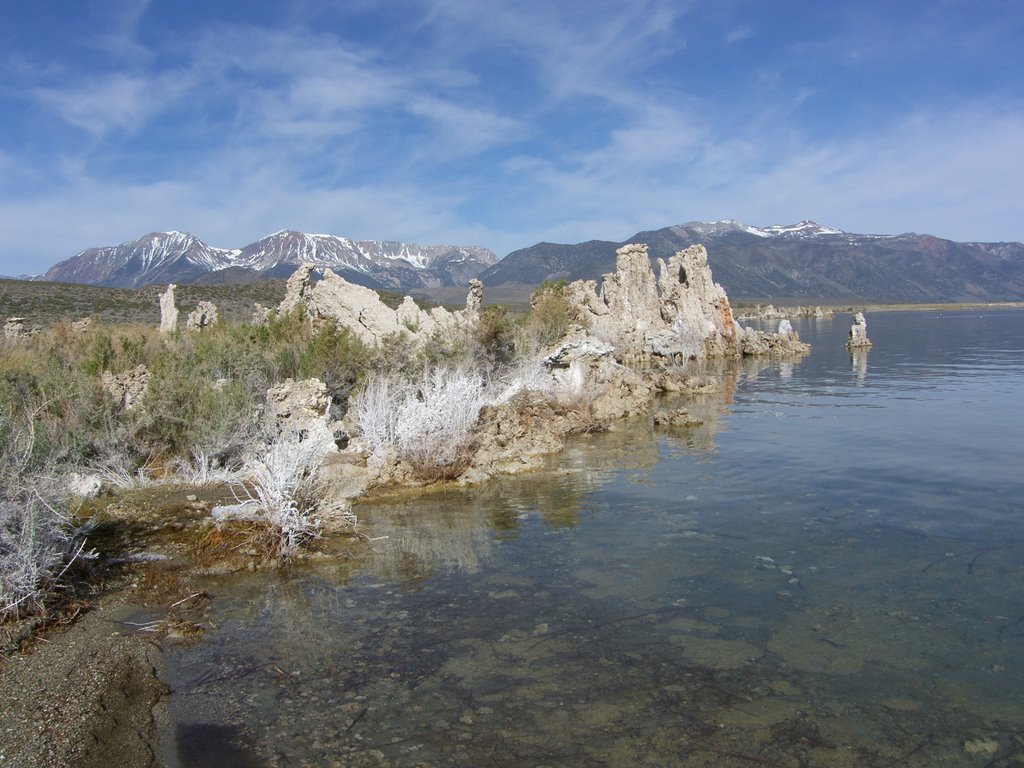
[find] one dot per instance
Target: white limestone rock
(361, 310)
(168, 310)
(203, 316)
(858, 333)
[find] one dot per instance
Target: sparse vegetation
(198, 415)
(427, 422)
(551, 312)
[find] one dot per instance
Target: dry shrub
(428, 423)
(238, 544)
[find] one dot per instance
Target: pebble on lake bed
(981, 747)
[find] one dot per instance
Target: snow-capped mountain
(804, 229)
(164, 257)
(158, 257)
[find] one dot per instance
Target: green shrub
(552, 312)
(497, 333)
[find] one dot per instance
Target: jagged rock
(127, 388)
(570, 360)
(300, 407)
(168, 310)
(682, 312)
(770, 312)
(858, 332)
(361, 310)
(14, 328)
(622, 392)
(203, 316)
(473, 300)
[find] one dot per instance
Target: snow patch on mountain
(804, 229)
(162, 257)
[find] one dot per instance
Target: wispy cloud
(120, 36)
(117, 102)
(738, 34)
(459, 120)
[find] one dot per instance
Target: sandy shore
(83, 697)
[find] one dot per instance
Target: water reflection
(859, 363)
(819, 575)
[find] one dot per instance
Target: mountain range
(799, 261)
(805, 261)
(178, 257)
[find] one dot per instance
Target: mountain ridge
(173, 256)
(799, 261)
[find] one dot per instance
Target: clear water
(827, 573)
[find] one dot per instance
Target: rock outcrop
(301, 408)
(770, 312)
(361, 310)
(203, 316)
(785, 341)
(168, 310)
(858, 333)
(681, 313)
(15, 329)
(126, 388)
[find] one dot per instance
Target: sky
(503, 124)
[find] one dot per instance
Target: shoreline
(847, 307)
(99, 689)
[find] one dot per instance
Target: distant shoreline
(881, 307)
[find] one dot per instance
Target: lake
(828, 572)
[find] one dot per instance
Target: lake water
(827, 573)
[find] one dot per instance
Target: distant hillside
(178, 257)
(45, 302)
(804, 261)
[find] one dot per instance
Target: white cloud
(305, 129)
(949, 174)
(465, 128)
(118, 102)
(738, 34)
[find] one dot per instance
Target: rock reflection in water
(423, 534)
(728, 597)
(859, 363)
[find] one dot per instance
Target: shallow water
(827, 573)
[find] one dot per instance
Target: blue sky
(503, 124)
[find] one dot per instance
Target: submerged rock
(680, 417)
